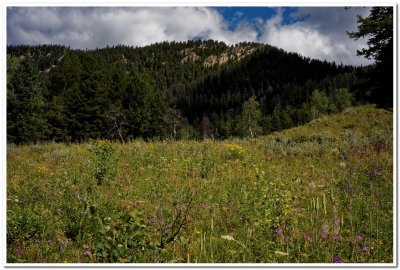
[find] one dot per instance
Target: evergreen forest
(178, 90)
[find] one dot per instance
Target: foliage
(174, 120)
(318, 193)
(343, 99)
(250, 117)
(120, 238)
(378, 27)
(105, 161)
(234, 151)
(25, 103)
(319, 103)
(123, 93)
(269, 205)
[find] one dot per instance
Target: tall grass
(316, 193)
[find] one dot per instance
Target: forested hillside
(179, 90)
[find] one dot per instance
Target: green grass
(300, 195)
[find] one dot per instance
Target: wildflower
(87, 253)
(360, 236)
(41, 168)
(78, 196)
(323, 234)
(235, 147)
(154, 220)
(278, 231)
(47, 210)
(337, 259)
(366, 249)
(308, 238)
(335, 237)
(19, 250)
(203, 205)
(49, 242)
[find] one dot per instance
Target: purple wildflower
(49, 241)
(335, 237)
(337, 259)
(278, 231)
(19, 250)
(47, 210)
(360, 236)
(323, 234)
(366, 249)
(154, 220)
(308, 238)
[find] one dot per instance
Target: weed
(105, 161)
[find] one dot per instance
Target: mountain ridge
(206, 82)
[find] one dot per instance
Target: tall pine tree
(25, 104)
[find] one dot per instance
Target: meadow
(318, 193)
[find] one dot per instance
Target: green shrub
(120, 238)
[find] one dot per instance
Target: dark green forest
(177, 90)
(55, 93)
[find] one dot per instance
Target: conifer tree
(25, 105)
(378, 27)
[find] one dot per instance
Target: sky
(315, 32)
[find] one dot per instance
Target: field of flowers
(322, 192)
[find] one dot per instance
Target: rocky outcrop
(188, 56)
(241, 52)
(236, 53)
(210, 61)
(223, 59)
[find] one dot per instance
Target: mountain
(190, 90)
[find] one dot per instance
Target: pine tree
(25, 105)
(144, 108)
(378, 26)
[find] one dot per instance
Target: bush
(120, 238)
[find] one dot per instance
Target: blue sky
(236, 14)
(316, 32)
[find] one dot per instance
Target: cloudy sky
(316, 32)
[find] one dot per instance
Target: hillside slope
(122, 93)
(322, 192)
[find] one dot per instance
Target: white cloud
(98, 27)
(321, 35)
